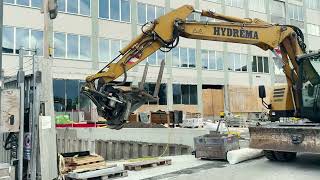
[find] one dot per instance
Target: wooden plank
(86, 167)
(136, 166)
(83, 160)
(103, 173)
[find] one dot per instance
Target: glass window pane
(114, 9)
(291, 11)
(231, 62)
(22, 38)
(176, 88)
(244, 66)
(150, 13)
(193, 95)
(184, 57)
(7, 41)
(59, 45)
(160, 57)
(163, 94)
(175, 57)
(265, 65)
(72, 95)
(85, 104)
(37, 41)
(141, 13)
(254, 64)
(72, 6)
(212, 60)
(9, 1)
(260, 64)
(72, 46)
(62, 5)
(192, 57)
(204, 58)
(85, 7)
(85, 47)
(36, 3)
(152, 59)
(219, 58)
(185, 94)
(125, 10)
(115, 47)
(237, 62)
(23, 2)
(59, 88)
(104, 8)
(104, 50)
(159, 11)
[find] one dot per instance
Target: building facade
(87, 34)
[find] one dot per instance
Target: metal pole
(1, 27)
(21, 132)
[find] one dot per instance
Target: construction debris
(106, 173)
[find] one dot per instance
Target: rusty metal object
(215, 145)
(286, 137)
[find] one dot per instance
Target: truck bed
(286, 137)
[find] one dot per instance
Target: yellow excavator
(299, 98)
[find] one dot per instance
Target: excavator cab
(310, 86)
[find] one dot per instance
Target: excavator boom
(163, 34)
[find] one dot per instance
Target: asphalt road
(305, 167)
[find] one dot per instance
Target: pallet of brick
(136, 166)
(106, 173)
(84, 163)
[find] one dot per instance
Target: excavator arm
(163, 34)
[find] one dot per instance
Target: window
(175, 57)
(59, 45)
(72, 6)
(148, 12)
(72, 46)
(22, 38)
(104, 50)
(62, 5)
(9, 1)
(104, 9)
(150, 87)
(115, 47)
(152, 59)
(85, 47)
(185, 94)
(36, 41)
(212, 60)
(85, 7)
(192, 57)
(260, 64)
(313, 4)
(8, 39)
(216, 1)
(118, 10)
(23, 2)
(235, 3)
(237, 62)
(184, 57)
(257, 5)
(313, 29)
(296, 12)
(141, 13)
(160, 56)
(277, 8)
(29, 3)
(36, 3)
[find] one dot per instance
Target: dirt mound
(142, 125)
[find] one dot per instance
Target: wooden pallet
(84, 163)
(136, 166)
(106, 173)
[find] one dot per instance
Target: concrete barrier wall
(128, 143)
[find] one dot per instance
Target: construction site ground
(183, 167)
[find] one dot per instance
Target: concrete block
(126, 150)
(144, 150)
(109, 150)
(117, 150)
(155, 150)
(135, 150)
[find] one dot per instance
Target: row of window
(82, 7)
(260, 64)
(14, 38)
(109, 48)
(184, 57)
(313, 29)
(72, 46)
(29, 3)
(147, 12)
(235, 3)
(237, 62)
(212, 60)
(118, 10)
(184, 94)
(257, 5)
(296, 12)
(313, 4)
